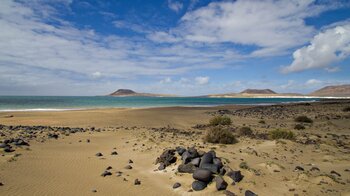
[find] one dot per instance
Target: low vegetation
(303, 119)
(262, 122)
(220, 135)
(281, 134)
(245, 131)
(299, 127)
(346, 109)
(220, 120)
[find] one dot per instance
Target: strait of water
(42, 103)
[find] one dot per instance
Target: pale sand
(68, 167)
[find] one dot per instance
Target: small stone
(130, 161)
(298, 168)
(108, 168)
(161, 166)
(249, 193)
(106, 173)
(128, 167)
(176, 185)
(235, 175)
(94, 191)
(119, 173)
(114, 153)
(221, 184)
(88, 141)
(137, 182)
(99, 154)
(314, 169)
(336, 173)
(198, 185)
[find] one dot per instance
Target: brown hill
(258, 91)
(123, 92)
(131, 93)
(333, 91)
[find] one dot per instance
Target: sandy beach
(316, 162)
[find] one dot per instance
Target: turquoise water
(13, 103)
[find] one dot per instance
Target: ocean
(58, 103)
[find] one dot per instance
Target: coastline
(142, 134)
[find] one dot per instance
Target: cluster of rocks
(8, 144)
(15, 136)
(205, 167)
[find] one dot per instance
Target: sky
(189, 47)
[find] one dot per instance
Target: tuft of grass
(281, 134)
(245, 131)
(262, 122)
(220, 135)
(303, 119)
(243, 165)
(346, 109)
(220, 120)
(299, 127)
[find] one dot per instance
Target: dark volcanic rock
(180, 150)
(176, 185)
(196, 161)
(249, 193)
(221, 184)
(335, 173)
(235, 175)
(3, 145)
(298, 168)
(206, 158)
(114, 153)
(106, 173)
(8, 149)
(167, 157)
(99, 154)
(186, 168)
(218, 162)
(203, 175)
(211, 167)
(137, 182)
(161, 166)
(198, 185)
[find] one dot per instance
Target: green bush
(303, 119)
(220, 135)
(220, 120)
(281, 134)
(245, 131)
(299, 127)
(347, 109)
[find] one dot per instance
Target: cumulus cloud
(201, 80)
(325, 49)
(176, 6)
(271, 26)
(313, 82)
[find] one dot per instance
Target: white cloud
(96, 75)
(166, 80)
(313, 82)
(201, 80)
(272, 26)
(174, 5)
(325, 49)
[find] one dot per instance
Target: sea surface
(57, 103)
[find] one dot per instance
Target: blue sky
(190, 47)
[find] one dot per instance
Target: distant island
(336, 91)
(131, 93)
(328, 91)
